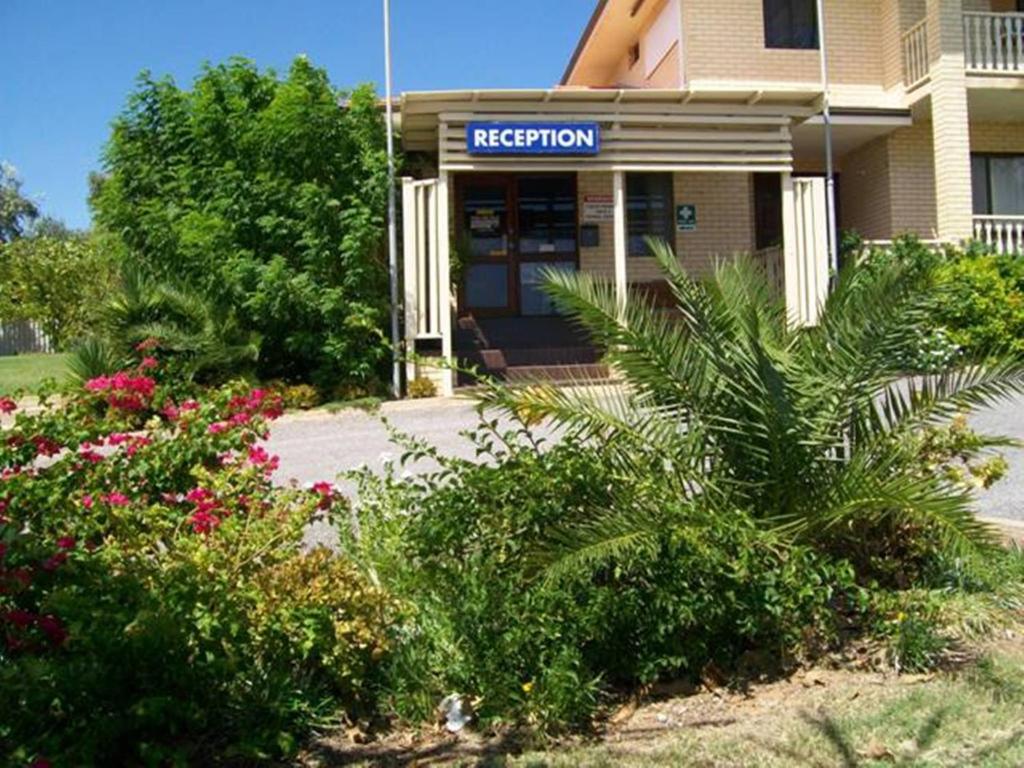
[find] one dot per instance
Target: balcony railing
(916, 59)
(1003, 233)
(994, 42)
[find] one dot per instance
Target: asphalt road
(319, 446)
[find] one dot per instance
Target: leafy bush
(156, 605)
(267, 197)
(461, 547)
(422, 387)
(57, 281)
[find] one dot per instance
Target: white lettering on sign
(534, 138)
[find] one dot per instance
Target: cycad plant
(725, 408)
(203, 340)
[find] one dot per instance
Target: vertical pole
(444, 279)
(791, 246)
(830, 178)
(619, 197)
(396, 356)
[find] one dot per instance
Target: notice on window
(598, 209)
(686, 218)
(484, 221)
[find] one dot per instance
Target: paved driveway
(318, 446)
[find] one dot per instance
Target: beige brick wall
(912, 181)
(997, 137)
(725, 224)
(865, 199)
(724, 40)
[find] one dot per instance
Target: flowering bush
(154, 598)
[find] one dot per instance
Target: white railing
(916, 59)
(994, 42)
(772, 261)
(1003, 233)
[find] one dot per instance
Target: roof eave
(584, 39)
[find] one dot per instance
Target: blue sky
(68, 65)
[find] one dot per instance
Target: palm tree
(726, 408)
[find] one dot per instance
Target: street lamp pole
(396, 364)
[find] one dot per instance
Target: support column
(790, 252)
(445, 284)
(619, 195)
(950, 120)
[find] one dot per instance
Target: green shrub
(461, 547)
(157, 607)
(422, 387)
(259, 193)
(299, 397)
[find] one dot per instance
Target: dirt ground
(818, 717)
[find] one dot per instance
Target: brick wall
(725, 224)
(912, 181)
(865, 200)
(724, 40)
(997, 137)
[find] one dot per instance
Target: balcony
(994, 43)
(1004, 234)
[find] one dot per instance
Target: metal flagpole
(396, 362)
(830, 177)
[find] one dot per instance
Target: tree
(57, 281)
(16, 210)
(267, 196)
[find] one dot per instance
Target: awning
(643, 129)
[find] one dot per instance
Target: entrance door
(512, 229)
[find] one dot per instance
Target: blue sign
(533, 138)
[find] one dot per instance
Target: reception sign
(533, 138)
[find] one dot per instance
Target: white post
(444, 278)
(396, 351)
(619, 195)
(791, 252)
(411, 268)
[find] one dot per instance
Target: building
(700, 121)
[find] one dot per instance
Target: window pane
(487, 286)
(1007, 185)
(790, 24)
(649, 202)
(532, 298)
(547, 215)
(486, 220)
(979, 185)
(767, 210)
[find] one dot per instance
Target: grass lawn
(28, 371)
(826, 718)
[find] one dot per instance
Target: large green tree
(267, 195)
(16, 211)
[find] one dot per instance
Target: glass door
(547, 221)
(485, 235)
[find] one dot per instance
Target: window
(649, 201)
(998, 185)
(767, 210)
(790, 24)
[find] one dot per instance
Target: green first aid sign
(686, 218)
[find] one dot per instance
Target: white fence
(994, 42)
(1003, 233)
(22, 337)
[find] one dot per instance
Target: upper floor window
(649, 203)
(998, 185)
(790, 24)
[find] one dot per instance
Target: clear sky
(68, 65)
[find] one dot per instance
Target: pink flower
(197, 495)
(66, 542)
(217, 427)
(53, 562)
(117, 438)
(204, 521)
(189, 405)
(53, 628)
(148, 363)
(147, 345)
(87, 501)
(91, 456)
(117, 499)
(7, 405)
(20, 618)
(3, 550)
(45, 446)
(326, 493)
